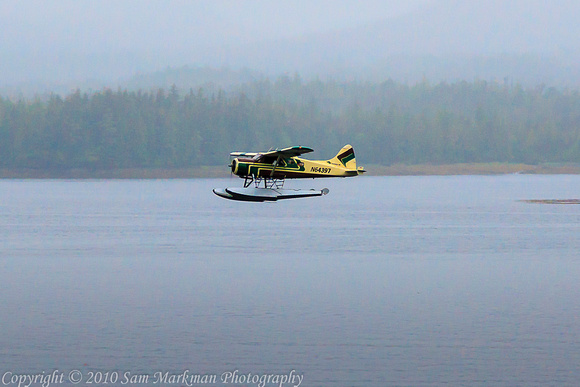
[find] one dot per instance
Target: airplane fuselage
(290, 168)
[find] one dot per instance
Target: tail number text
(320, 170)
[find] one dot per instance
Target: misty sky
(137, 24)
(64, 41)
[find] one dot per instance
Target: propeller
(275, 165)
(230, 167)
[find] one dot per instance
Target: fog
(69, 39)
(73, 42)
(152, 24)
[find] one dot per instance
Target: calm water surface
(386, 281)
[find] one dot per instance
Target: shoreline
(223, 171)
(475, 169)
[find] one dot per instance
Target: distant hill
(191, 77)
(58, 42)
(482, 28)
(530, 41)
(67, 45)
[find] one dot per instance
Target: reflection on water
(385, 281)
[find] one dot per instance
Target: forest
(387, 123)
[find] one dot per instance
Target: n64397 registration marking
(320, 170)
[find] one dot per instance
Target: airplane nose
(234, 165)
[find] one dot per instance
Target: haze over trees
(386, 122)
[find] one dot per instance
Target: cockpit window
(263, 159)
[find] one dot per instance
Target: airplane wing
(248, 154)
(286, 152)
(289, 152)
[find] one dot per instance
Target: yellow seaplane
(264, 173)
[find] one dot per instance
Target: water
(386, 281)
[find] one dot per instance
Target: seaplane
(264, 173)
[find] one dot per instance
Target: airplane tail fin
(346, 157)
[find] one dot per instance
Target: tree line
(386, 122)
